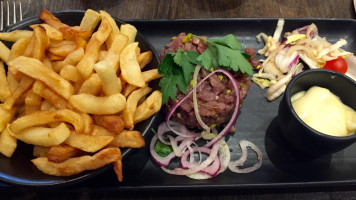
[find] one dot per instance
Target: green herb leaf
(162, 150)
(233, 59)
(186, 60)
(209, 57)
(229, 40)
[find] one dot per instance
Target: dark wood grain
(185, 9)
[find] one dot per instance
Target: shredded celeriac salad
(282, 56)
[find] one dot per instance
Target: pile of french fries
(75, 93)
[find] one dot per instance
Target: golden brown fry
(109, 81)
(129, 66)
(114, 27)
(129, 89)
(18, 48)
(73, 32)
(131, 105)
(41, 43)
(63, 50)
(42, 136)
(24, 85)
(51, 32)
(61, 153)
(59, 43)
(88, 143)
(72, 59)
(118, 169)
(88, 103)
(90, 20)
(39, 151)
(71, 73)
(12, 81)
(54, 58)
(112, 123)
(4, 52)
(13, 36)
(81, 43)
(39, 71)
(48, 18)
(128, 139)
(4, 85)
(8, 143)
(6, 117)
(88, 123)
(130, 31)
(118, 44)
(150, 75)
(47, 62)
(144, 58)
(45, 117)
(91, 85)
(32, 102)
(85, 66)
(99, 130)
(149, 107)
(78, 164)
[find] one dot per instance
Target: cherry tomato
(339, 64)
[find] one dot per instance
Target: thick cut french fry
(39, 151)
(81, 43)
(91, 85)
(88, 143)
(23, 86)
(63, 50)
(108, 78)
(85, 66)
(148, 107)
(131, 105)
(128, 139)
(102, 55)
(45, 117)
(88, 103)
(71, 73)
(47, 17)
(112, 123)
(118, 170)
(88, 123)
(55, 58)
(4, 85)
(4, 52)
(99, 130)
(8, 143)
(129, 66)
(32, 102)
(18, 48)
(47, 62)
(50, 96)
(72, 59)
(73, 32)
(41, 43)
(61, 153)
(90, 20)
(45, 137)
(13, 36)
(114, 27)
(118, 44)
(5, 117)
(129, 89)
(12, 81)
(78, 164)
(45, 105)
(150, 75)
(39, 71)
(59, 43)
(144, 58)
(51, 32)
(130, 31)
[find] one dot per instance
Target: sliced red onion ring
(212, 169)
(164, 161)
(204, 164)
(233, 117)
(163, 128)
(234, 165)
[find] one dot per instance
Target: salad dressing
(323, 111)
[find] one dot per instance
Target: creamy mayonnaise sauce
(324, 112)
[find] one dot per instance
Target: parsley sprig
(176, 68)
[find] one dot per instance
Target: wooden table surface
(186, 9)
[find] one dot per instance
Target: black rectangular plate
(282, 166)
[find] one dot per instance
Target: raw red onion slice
(212, 169)
(234, 165)
(204, 164)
